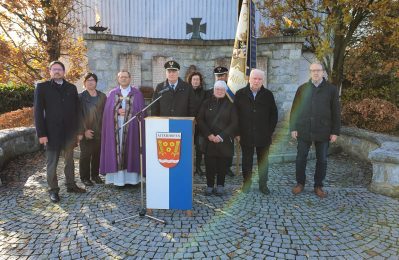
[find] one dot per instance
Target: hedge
(13, 97)
(374, 114)
(390, 94)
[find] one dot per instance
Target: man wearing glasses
(315, 118)
(56, 109)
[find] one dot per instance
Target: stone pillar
(281, 58)
(158, 71)
(103, 63)
(131, 63)
(261, 63)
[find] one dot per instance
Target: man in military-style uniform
(178, 100)
(221, 73)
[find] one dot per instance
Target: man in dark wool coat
(257, 119)
(315, 118)
(177, 100)
(56, 107)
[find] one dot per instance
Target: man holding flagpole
(244, 51)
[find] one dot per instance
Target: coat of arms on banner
(168, 148)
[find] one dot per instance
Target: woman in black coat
(92, 104)
(217, 121)
(196, 81)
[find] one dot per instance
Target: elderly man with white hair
(217, 121)
(257, 119)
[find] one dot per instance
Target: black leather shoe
(54, 197)
(97, 180)
(75, 189)
(87, 182)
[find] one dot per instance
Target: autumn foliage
(335, 30)
(373, 114)
(34, 33)
(18, 118)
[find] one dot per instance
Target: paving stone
(244, 226)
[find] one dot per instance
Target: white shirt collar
(317, 83)
(125, 91)
(175, 84)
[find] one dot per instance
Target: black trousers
(321, 162)
(89, 162)
(262, 153)
(216, 166)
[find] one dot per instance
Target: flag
(169, 167)
(243, 59)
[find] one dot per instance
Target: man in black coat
(177, 95)
(257, 117)
(57, 116)
(315, 118)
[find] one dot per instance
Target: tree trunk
(340, 45)
(338, 61)
(53, 44)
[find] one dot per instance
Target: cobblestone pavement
(351, 223)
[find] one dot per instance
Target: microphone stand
(143, 211)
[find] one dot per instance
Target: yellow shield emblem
(168, 149)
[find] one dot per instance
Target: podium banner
(169, 165)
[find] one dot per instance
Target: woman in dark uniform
(217, 121)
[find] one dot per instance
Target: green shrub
(390, 94)
(374, 114)
(13, 97)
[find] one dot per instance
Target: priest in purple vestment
(120, 146)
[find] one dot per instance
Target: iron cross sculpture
(196, 28)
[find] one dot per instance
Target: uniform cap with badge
(172, 65)
(220, 70)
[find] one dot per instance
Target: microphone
(164, 90)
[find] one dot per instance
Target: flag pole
(238, 151)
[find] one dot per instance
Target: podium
(169, 162)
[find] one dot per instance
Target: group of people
(107, 127)
(65, 119)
